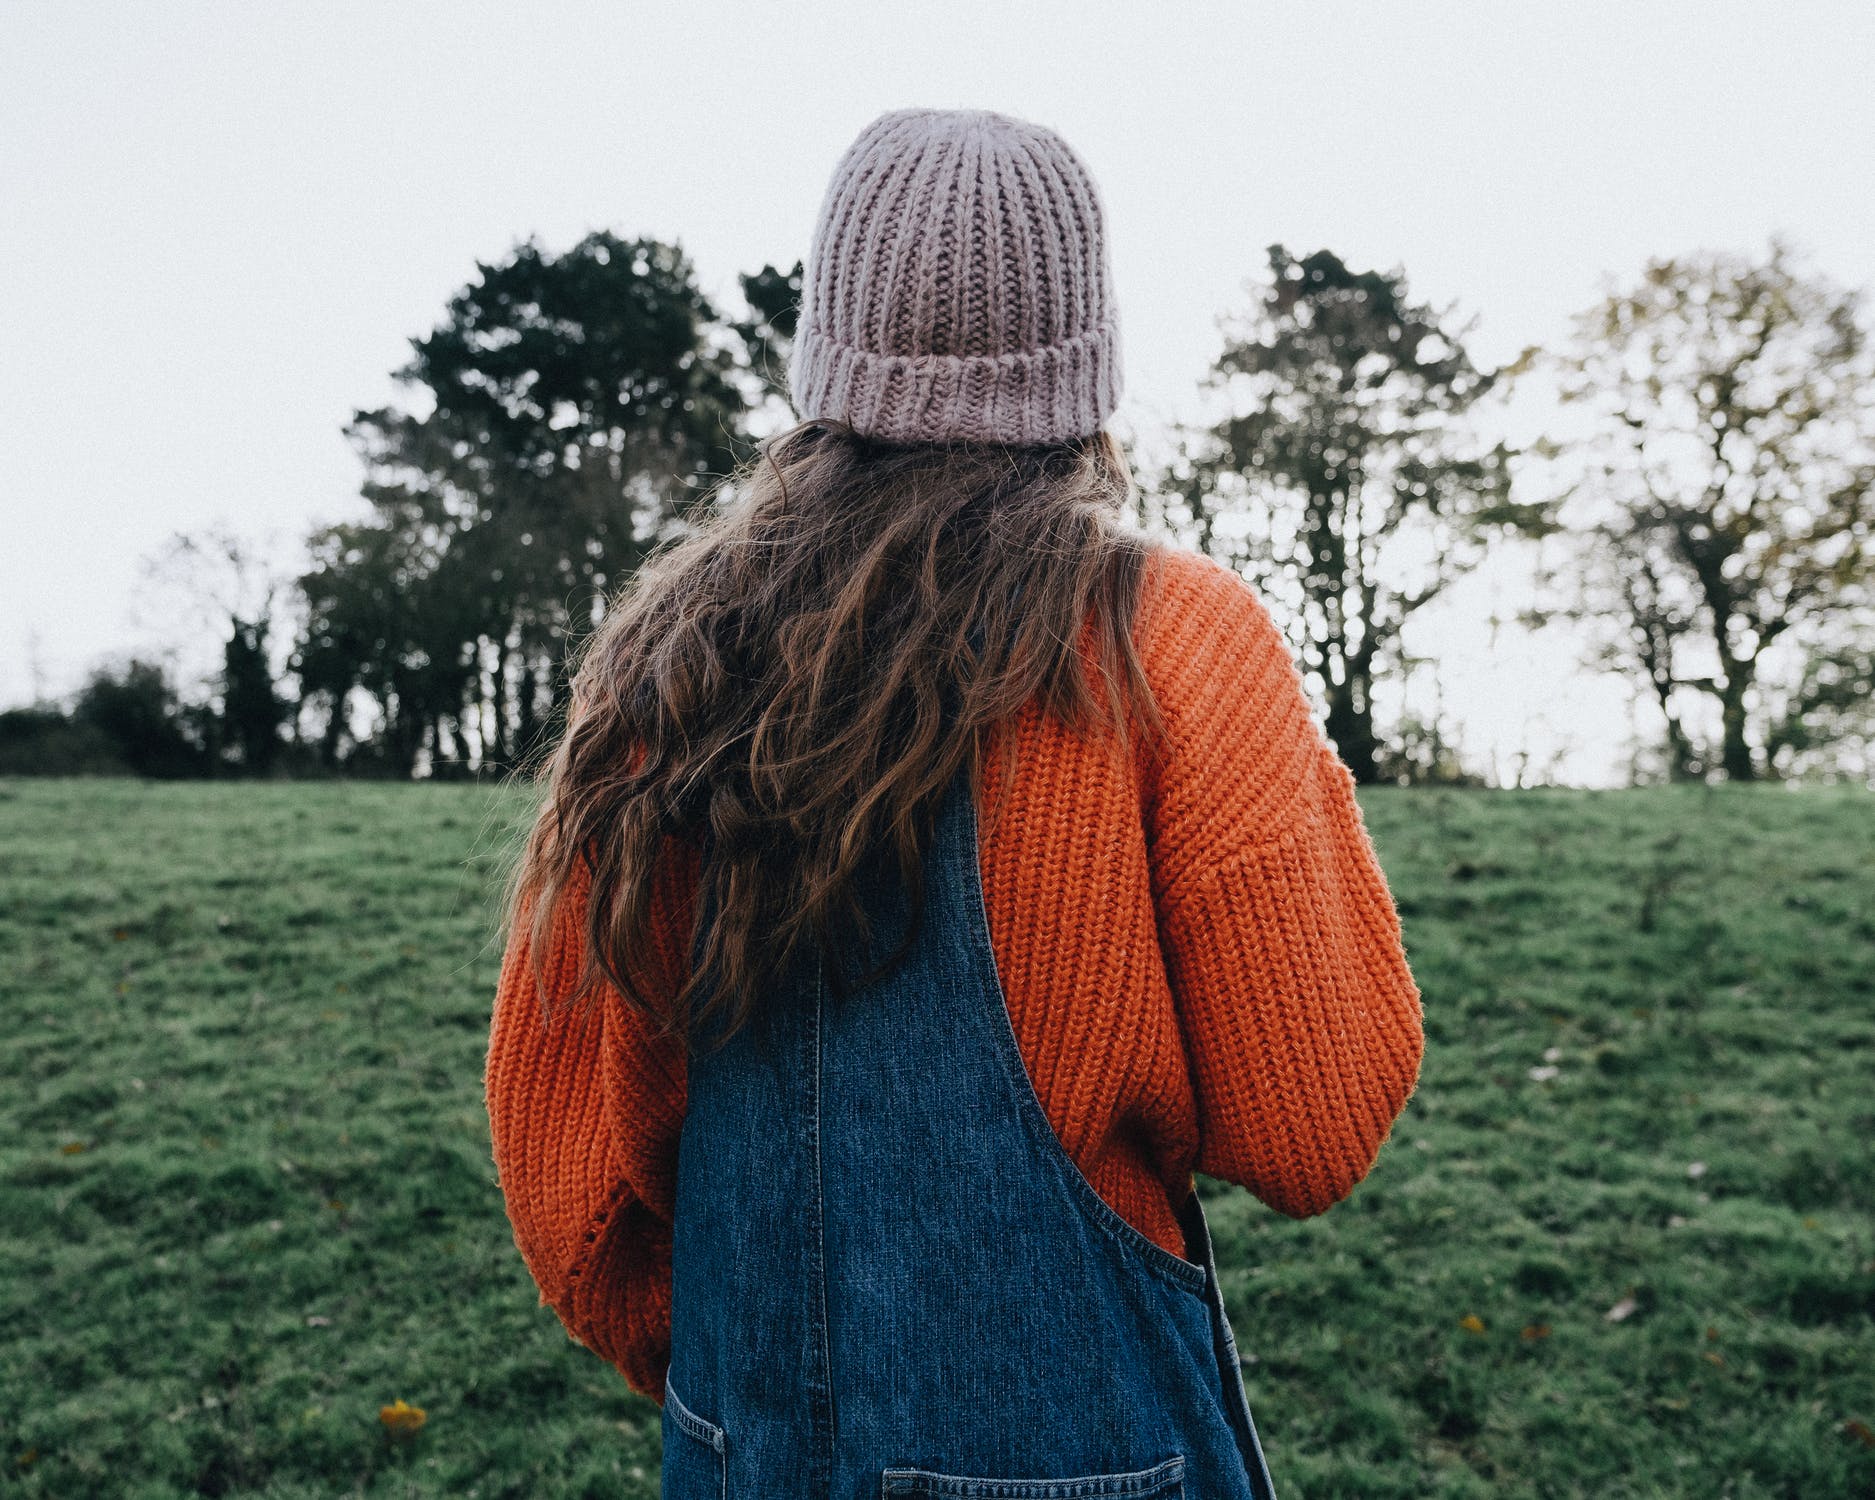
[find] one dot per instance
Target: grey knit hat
(958, 286)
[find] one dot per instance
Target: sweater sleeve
(1283, 947)
(584, 1111)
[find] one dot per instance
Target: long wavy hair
(793, 684)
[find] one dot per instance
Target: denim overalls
(889, 1278)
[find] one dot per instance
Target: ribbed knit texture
(1204, 969)
(958, 286)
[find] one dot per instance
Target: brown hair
(802, 675)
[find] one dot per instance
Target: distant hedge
(49, 742)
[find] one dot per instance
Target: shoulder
(1242, 739)
(1204, 630)
(1179, 573)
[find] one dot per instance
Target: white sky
(220, 223)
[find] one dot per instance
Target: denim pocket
(1164, 1481)
(696, 1465)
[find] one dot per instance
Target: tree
(774, 299)
(1341, 452)
(251, 710)
(385, 618)
(1717, 490)
(136, 711)
(569, 410)
(227, 582)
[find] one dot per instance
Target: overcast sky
(220, 223)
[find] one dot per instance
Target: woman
(934, 875)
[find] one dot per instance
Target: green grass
(246, 1196)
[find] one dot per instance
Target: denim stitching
(820, 1214)
(1224, 1342)
(702, 1431)
(1161, 1482)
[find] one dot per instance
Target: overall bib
(889, 1278)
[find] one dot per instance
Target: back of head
(793, 685)
(958, 286)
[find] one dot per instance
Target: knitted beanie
(958, 286)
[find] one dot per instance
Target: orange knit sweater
(1203, 966)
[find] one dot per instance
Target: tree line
(1699, 500)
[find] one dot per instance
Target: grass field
(1621, 1242)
